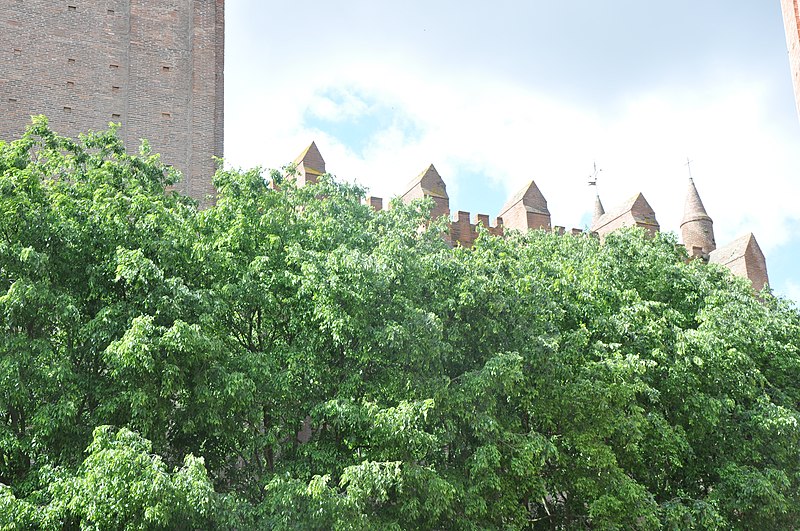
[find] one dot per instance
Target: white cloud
(539, 91)
(512, 134)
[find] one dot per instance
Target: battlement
(527, 210)
(463, 231)
(374, 202)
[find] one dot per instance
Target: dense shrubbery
(292, 359)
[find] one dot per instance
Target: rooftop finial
(598, 205)
(689, 167)
(593, 176)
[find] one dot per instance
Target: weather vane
(593, 176)
(689, 166)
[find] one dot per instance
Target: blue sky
(498, 93)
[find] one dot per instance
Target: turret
(745, 259)
(697, 228)
(527, 209)
(429, 184)
(635, 212)
(310, 165)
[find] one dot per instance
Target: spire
(598, 210)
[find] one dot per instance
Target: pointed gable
(310, 165)
(635, 212)
(531, 198)
(311, 158)
(527, 209)
(745, 259)
(429, 184)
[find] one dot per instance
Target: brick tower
(697, 228)
(155, 66)
(791, 21)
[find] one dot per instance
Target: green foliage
(333, 367)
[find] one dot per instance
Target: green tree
(289, 358)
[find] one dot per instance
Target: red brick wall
(791, 20)
(519, 218)
(154, 66)
(699, 232)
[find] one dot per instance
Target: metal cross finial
(689, 166)
(593, 176)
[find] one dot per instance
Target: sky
(499, 93)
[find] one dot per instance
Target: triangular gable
(733, 251)
(635, 211)
(430, 183)
(642, 211)
(744, 258)
(531, 198)
(311, 160)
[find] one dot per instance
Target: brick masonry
(635, 212)
(156, 67)
(744, 258)
(527, 210)
(791, 21)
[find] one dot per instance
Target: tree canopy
(290, 358)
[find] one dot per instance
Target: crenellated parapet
(527, 210)
(375, 202)
(463, 231)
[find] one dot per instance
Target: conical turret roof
(693, 208)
